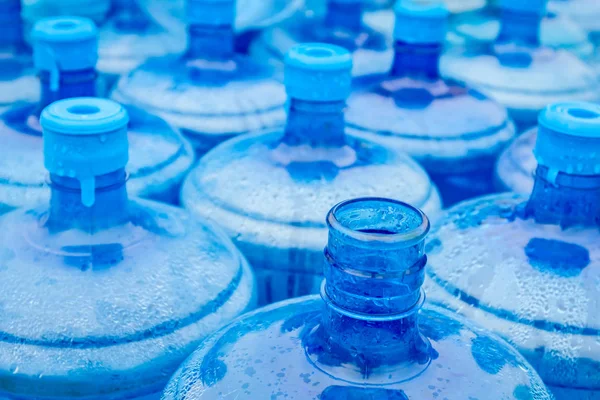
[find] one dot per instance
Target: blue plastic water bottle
(65, 53)
(105, 295)
(529, 269)
(17, 75)
(515, 169)
(364, 338)
(269, 191)
(455, 132)
(35, 10)
(518, 71)
(211, 92)
(340, 24)
(557, 31)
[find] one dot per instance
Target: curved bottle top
(35, 10)
(166, 156)
(364, 337)
(515, 169)
(340, 24)
(211, 92)
(413, 108)
(530, 270)
(521, 74)
(130, 286)
(285, 180)
(17, 76)
(586, 13)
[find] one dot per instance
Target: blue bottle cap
(211, 12)
(84, 138)
(418, 22)
(525, 6)
(318, 72)
(64, 44)
(569, 139)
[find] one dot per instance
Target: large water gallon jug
(105, 295)
(65, 52)
(586, 13)
(17, 75)
(529, 269)
(211, 92)
(455, 132)
(518, 71)
(270, 190)
(340, 23)
(364, 338)
(557, 30)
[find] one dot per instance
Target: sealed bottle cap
(84, 138)
(569, 138)
(318, 72)
(64, 44)
(525, 6)
(420, 22)
(210, 12)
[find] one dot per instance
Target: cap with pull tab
(64, 44)
(211, 12)
(318, 72)
(568, 139)
(84, 138)
(420, 22)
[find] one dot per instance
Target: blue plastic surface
(455, 132)
(155, 172)
(516, 70)
(364, 338)
(270, 190)
(211, 12)
(340, 24)
(420, 22)
(17, 75)
(105, 300)
(528, 268)
(35, 10)
(211, 92)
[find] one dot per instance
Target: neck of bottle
(520, 27)
(211, 42)
(109, 209)
(315, 123)
(372, 297)
(416, 60)
(344, 14)
(71, 84)
(564, 199)
(128, 16)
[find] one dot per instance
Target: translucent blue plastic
(515, 170)
(17, 75)
(455, 132)
(517, 71)
(211, 92)
(340, 24)
(105, 301)
(529, 268)
(35, 10)
(364, 338)
(270, 190)
(557, 31)
(160, 157)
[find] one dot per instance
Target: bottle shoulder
(239, 358)
(281, 184)
(484, 254)
(156, 273)
(516, 165)
(210, 97)
(18, 78)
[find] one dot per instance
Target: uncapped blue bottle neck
(344, 14)
(315, 123)
(211, 42)
(419, 60)
(71, 84)
(68, 212)
(520, 27)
